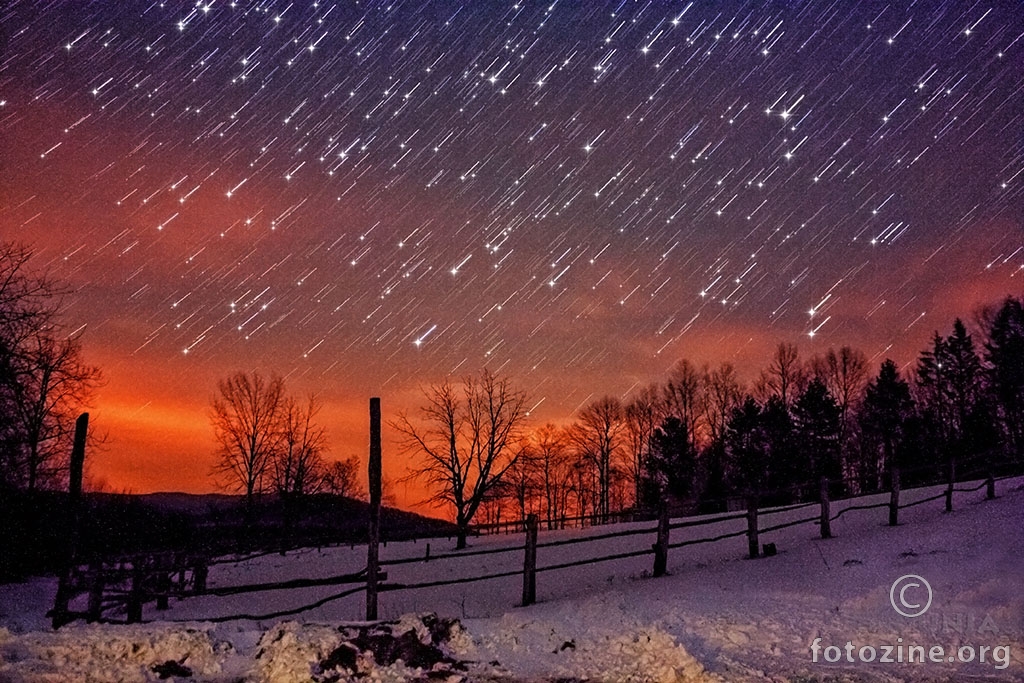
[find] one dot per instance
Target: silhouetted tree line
(702, 437)
(695, 440)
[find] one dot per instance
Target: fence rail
(128, 584)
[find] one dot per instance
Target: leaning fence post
(949, 488)
(372, 550)
(826, 515)
(661, 547)
(530, 562)
(753, 549)
(894, 497)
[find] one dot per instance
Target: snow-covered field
(717, 616)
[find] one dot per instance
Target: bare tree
(341, 478)
(465, 441)
(643, 414)
(28, 301)
(583, 486)
(597, 435)
(492, 507)
(845, 374)
(554, 466)
(784, 377)
(298, 466)
(53, 385)
(44, 382)
(247, 418)
(721, 392)
(683, 398)
(522, 482)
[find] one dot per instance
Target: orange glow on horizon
(155, 414)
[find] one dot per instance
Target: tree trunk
(288, 513)
(33, 468)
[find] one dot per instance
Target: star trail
(368, 196)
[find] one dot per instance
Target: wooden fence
(125, 584)
(128, 585)
(661, 532)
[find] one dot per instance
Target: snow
(96, 653)
(717, 616)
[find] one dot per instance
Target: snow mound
(96, 654)
(414, 648)
(290, 651)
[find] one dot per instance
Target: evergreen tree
(816, 416)
(1004, 361)
(784, 469)
(950, 387)
(747, 449)
(962, 368)
(672, 463)
(887, 407)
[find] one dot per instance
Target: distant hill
(319, 511)
(189, 503)
(34, 529)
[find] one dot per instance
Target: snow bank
(556, 645)
(595, 641)
(89, 654)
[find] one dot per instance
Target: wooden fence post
(372, 549)
(826, 515)
(753, 547)
(199, 574)
(990, 486)
(134, 611)
(661, 547)
(949, 488)
(96, 585)
(60, 612)
(162, 582)
(530, 562)
(182, 562)
(894, 496)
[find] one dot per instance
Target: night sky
(367, 197)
